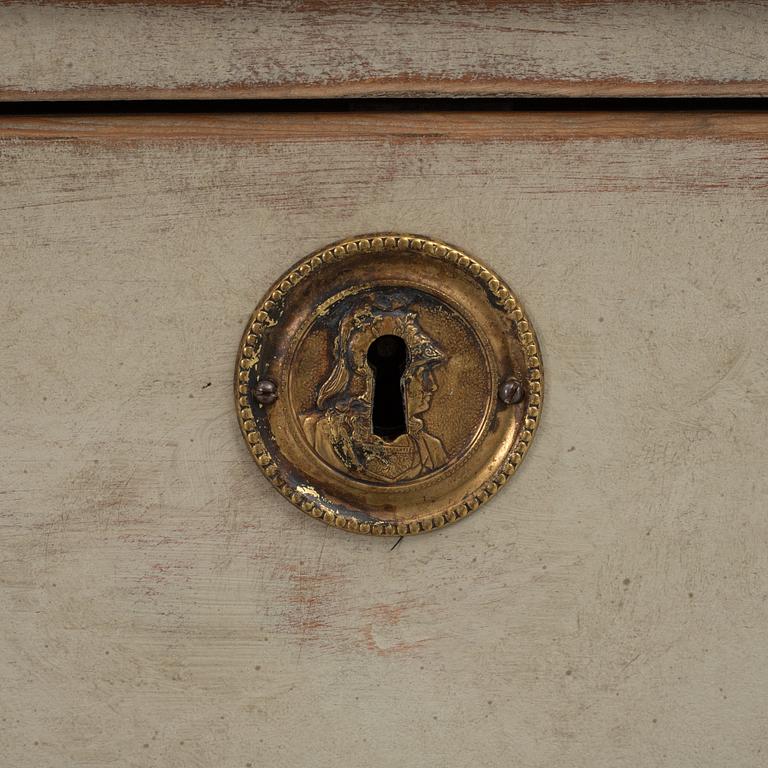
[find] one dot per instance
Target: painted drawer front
(163, 606)
(263, 49)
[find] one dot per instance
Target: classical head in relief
(368, 418)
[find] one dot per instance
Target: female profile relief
(368, 415)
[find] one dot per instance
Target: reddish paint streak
(387, 614)
(390, 650)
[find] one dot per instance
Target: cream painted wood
(261, 48)
(162, 606)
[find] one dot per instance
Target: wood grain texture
(163, 606)
(417, 126)
(262, 48)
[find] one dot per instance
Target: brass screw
(511, 392)
(265, 392)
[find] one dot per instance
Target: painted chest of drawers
(162, 606)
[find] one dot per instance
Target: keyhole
(387, 357)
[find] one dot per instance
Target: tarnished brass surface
(315, 360)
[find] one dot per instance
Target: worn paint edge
(390, 126)
(402, 86)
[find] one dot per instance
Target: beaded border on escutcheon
(267, 315)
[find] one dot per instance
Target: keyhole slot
(387, 357)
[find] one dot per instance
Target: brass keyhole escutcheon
(389, 384)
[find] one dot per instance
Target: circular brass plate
(444, 442)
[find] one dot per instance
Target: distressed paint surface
(261, 48)
(163, 606)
